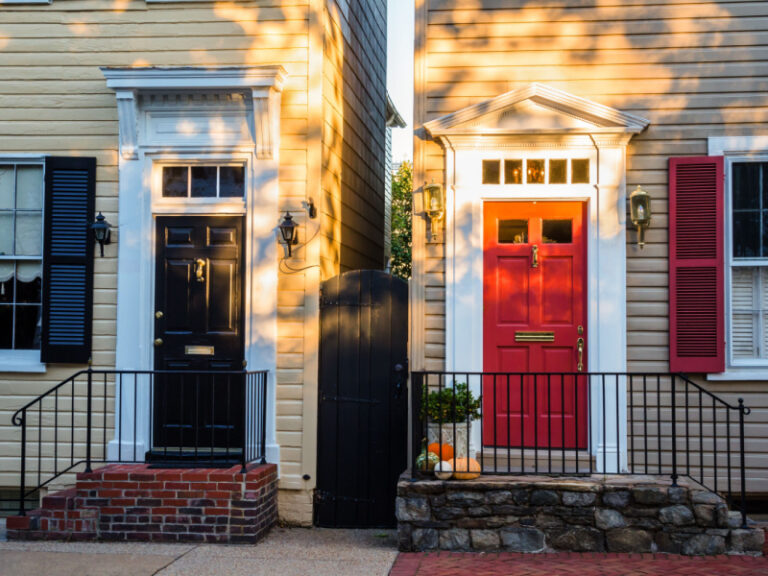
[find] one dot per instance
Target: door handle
(400, 375)
(535, 256)
(580, 350)
(200, 270)
(158, 342)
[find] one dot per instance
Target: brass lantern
(434, 206)
(640, 212)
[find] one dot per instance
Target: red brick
(230, 486)
(216, 511)
(17, 523)
(164, 510)
(116, 476)
(110, 493)
(143, 476)
(123, 501)
(112, 510)
(176, 485)
(196, 476)
(175, 502)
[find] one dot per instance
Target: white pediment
(536, 109)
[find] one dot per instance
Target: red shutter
(696, 265)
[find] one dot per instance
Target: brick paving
(564, 564)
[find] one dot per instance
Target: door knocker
(200, 270)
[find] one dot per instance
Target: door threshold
(175, 459)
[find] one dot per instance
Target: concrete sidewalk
(285, 552)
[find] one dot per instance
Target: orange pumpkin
(466, 468)
(445, 454)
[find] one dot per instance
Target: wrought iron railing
(167, 417)
(579, 424)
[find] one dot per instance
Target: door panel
(534, 312)
(198, 290)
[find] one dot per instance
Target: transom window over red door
(534, 320)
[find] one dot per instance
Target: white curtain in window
(25, 271)
(6, 270)
(749, 305)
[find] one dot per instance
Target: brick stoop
(135, 503)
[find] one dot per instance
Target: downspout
(597, 244)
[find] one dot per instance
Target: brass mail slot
(198, 350)
(534, 336)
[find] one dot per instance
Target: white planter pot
(444, 434)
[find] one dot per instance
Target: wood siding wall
(694, 68)
(54, 100)
(354, 127)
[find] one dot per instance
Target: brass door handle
(200, 270)
(580, 350)
(158, 342)
(535, 256)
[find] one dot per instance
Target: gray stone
(703, 497)
(750, 540)
(606, 519)
(641, 511)
(512, 509)
(619, 499)
(478, 511)
(521, 497)
(425, 539)
(411, 509)
(628, 540)
(545, 498)
(669, 543)
(678, 495)
(721, 513)
(522, 539)
(499, 497)
(499, 521)
(454, 539)
(705, 514)
(437, 501)
(704, 545)
(404, 537)
(449, 513)
(578, 498)
(578, 539)
(734, 519)
(582, 515)
(645, 523)
(678, 515)
(465, 498)
(485, 539)
(650, 495)
(548, 521)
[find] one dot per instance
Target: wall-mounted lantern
(289, 232)
(101, 232)
(640, 212)
(434, 206)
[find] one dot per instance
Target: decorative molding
(578, 115)
(193, 86)
(127, 113)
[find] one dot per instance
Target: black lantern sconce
(101, 232)
(434, 206)
(289, 232)
(640, 212)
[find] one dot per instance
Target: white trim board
(160, 135)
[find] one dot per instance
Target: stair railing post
(23, 487)
(742, 466)
(88, 422)
(674, 433)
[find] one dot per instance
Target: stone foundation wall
(136, 503)
(596, 514)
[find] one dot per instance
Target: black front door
(199, 395)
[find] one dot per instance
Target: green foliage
(451, 404)
(402, 208)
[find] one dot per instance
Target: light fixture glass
(640, 212)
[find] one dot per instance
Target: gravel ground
(285, 552)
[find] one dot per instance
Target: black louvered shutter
(68, 260)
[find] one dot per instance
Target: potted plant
(448, 413)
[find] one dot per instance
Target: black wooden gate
(362, 421)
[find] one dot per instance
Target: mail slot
(198, 350)
(534, 336)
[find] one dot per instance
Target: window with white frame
(749, 263)
(21, 253)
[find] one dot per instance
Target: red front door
(534, 321)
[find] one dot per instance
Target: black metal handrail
(596, 422)
(181, 418)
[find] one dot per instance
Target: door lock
(535, 256)
(200, 270)
(580, 350)
(158, 342)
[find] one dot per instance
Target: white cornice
(263, 84)
(598, 118)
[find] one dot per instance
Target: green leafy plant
(402, 199)
(451, 404)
